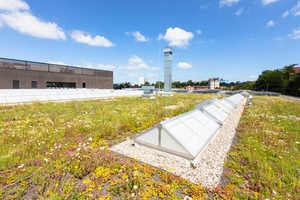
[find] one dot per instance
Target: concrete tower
(168, 51)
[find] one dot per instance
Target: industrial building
(20, 74)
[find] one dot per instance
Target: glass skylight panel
(180, 132)
(215, 112)
(213, 126)
(205, 133)
(194, 145)
(151, 137)
(228, 105)
(193, 124)
(169, 123)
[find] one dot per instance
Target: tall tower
(168, 51)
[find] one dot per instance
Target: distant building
(214, 83)
(297, 70)
(15, 74)
(197, 87)
(142, 80)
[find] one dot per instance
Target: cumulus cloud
(16, 14)
(13, 5)
(270, 23)
(184, 65)
(135, 63)
(83, 37)
(266, 2)
(178, 37)
(228, 2)
(98, 66)
(139, 37)
(295, 34)
(294, 11)
(239, 11)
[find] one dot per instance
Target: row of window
(16, 84)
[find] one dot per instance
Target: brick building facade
(15, 74)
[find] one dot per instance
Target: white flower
(20, 166)
(46, 160)
(135, 187)
(90, 139)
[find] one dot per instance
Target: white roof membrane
(31, 95)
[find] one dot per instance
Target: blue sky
(231, 39)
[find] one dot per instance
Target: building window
(33, 84)
(60, 85)
(15, 84)
(83, 85)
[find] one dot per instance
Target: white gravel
(209, 167)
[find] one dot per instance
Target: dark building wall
(25, 77)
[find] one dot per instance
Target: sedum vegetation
(60, 151)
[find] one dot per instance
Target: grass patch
(266, 160)
(60, 151)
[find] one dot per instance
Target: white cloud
(139, 37)
(151, 75)
(285, 14)
(266, 2)
(57, 63)
(199, 32)
(82, 37)
(205, 6)
(178, 37)
(228, 2)
(160, 36)
(239, 11)
(278, 39)
(13, 5)
(270, 23)
(253, 76)
(295, 34)
(98, 66)
(200, 42)
(16, 15)
(184, 65)
(295, 10)
(135, 63)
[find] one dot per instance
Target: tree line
(285, 81)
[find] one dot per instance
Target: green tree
(289, 76)
(177, 84)
(159, 84)
(204, 83)
(271, 80)
(147, 83)
(190, 83)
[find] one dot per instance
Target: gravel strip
(209, 167)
